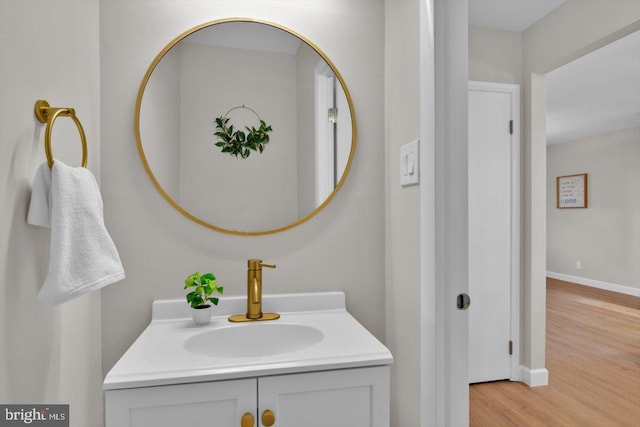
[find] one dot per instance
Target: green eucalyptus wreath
(238, 142)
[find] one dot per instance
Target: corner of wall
(534, 377)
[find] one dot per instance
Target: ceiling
(593, 95)
(509, 15)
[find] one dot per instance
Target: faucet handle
(257, 264)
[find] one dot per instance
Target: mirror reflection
(278, 78)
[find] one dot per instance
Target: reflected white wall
(252, 194)
(160, 122)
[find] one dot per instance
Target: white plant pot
(201, 316)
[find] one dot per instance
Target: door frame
(444, 363)
(514, 91)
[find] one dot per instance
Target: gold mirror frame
(186, 213)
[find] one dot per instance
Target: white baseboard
(627, 290)
(534, 377)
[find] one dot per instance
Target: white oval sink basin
(253, 340)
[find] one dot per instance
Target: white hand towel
(83, 256)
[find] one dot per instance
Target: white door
(493, 243)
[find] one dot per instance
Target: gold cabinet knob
(247, 420)
(268, 418)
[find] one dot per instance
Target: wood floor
(593, 358)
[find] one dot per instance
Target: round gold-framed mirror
(247, 75)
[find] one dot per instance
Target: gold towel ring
(48, 115)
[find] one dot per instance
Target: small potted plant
(200, 297)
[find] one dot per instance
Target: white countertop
(159, 356)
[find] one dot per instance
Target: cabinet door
(214, 404)
(344, 398)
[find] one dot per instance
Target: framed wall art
(572, 191)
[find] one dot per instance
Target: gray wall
(47, 354)
(494, 55)
(306, 62)
(342, 248)
(605, 237)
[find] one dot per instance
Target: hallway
(593, 358)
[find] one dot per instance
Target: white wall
(50, 50)
(342, 248)
(572, 30)
(605, 237)
(402, 106)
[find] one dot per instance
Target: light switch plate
(409, 164)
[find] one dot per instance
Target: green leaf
(191, 280)
(213, 300)
(208, 276)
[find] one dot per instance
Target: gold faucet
(254, 295)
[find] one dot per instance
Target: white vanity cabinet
(211, 404)
(177, 374)
(357, 397)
